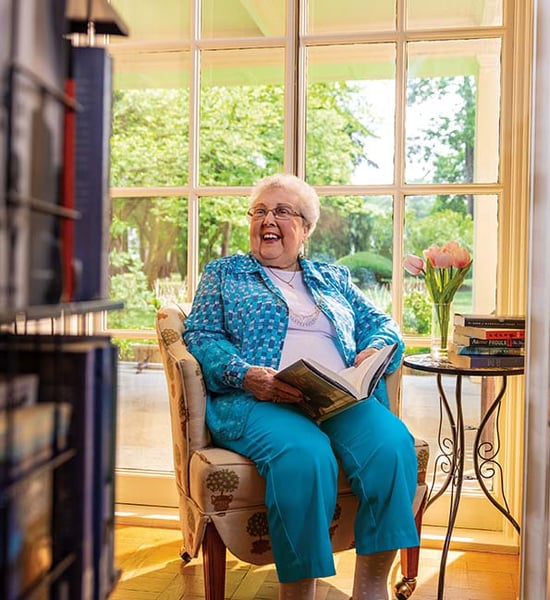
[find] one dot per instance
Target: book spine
(67, 225)
(502, 334)
(19, 390)
(473, 361)
(473, 342)
(92, 75)
(489, 333)
(486, 350)
(490, 322)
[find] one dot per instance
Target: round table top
(425, 362)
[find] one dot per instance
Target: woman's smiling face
(276, 242)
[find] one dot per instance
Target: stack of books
(484, 341)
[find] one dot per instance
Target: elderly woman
(256, 313)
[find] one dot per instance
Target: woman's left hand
(264, 386)
(364, 354)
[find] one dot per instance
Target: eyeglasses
(281, 213)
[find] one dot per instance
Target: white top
(310, 334)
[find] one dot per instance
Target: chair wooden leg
(213, 554)
(410, 558)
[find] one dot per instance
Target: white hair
(308, 200)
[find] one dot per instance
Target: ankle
(304, 589)
(370, 581)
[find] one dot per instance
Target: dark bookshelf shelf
(39, 588)
(54, 311)
(45, 87)
(10, 487)
(42, 206)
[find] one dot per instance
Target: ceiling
(170, 19)
(157, 51)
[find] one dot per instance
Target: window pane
(328, 16)
(235, 18)
(143, 427)
(350, 114)
(241, 118)
(167, 20)
(426, 14)
(223, 228)
(149, 142)
(357, 232)
(452, 115)
(148, 258)
(468, 219)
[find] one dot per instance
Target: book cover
(473, 342)
(490, 321)
(327, 392)
(93, 88)
(490, 333)
(486, 350)
(19, 390)
(32, 439)
(29, 529)
(470, 361)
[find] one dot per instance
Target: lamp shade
(99, 12)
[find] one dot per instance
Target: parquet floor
(152, 570)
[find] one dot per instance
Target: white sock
(370, 581)
(298, 590)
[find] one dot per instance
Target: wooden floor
(152, 569)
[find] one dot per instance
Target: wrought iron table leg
(456, 472)
(485, 452)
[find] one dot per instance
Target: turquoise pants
(297, 458)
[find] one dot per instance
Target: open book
(328, 392)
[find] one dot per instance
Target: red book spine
(67, 224)
(503, 334)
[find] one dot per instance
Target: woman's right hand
(262, 384)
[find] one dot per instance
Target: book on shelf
(33, 437)
(92, 68)
(486, 350)
(490, 333)
(490, 321)
(327, 392)
(68, 185)
(18, 390)
(104, 469)
(478, 361)
(29, 529)
(473, 342)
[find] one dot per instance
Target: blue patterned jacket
(239, 318)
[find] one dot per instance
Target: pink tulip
(451, 246)
(461, 258)
(444, 270)
(413, 264)
(439, 258)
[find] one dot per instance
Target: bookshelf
(58, 377)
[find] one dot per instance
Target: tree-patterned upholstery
(221, 494)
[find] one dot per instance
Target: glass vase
(441, 330)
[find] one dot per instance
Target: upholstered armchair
(221, 495)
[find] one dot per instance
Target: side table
(453, 450)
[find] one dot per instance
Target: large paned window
(393, 110)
